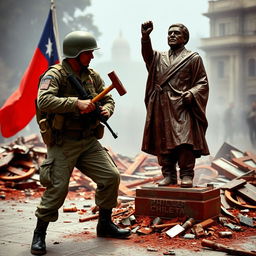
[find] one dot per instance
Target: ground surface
(68, 236)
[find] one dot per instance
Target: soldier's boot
(170, 177)
(106, 228)
(38, 246)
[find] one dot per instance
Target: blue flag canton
(47, 44)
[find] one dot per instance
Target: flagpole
(55, 28)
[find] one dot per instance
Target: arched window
(251, 67)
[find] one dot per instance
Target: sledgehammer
(116, 83)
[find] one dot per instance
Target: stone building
(230, 58)
(231, 50)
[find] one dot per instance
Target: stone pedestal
(168, 202)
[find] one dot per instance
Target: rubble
(229, 250)
(198, 229)
(231, 172)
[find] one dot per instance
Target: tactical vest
(52, 125)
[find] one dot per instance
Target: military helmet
(77, 42)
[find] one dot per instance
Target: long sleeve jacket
(169, 121)
(57, 95)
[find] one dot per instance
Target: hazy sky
(113, 16)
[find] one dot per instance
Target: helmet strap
(82, 67)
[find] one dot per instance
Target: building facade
(231, 50)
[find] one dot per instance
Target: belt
(77, 134)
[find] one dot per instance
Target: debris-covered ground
(231, 171)
(153, 237)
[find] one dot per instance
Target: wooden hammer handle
(102, 94)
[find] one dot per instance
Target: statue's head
(183, 29)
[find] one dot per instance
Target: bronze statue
(176, 96)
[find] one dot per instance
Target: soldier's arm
(48, 99)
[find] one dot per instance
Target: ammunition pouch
(58, 122)
(51, 130)
(98, 132)
(46, 132)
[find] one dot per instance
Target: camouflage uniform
(74, 141)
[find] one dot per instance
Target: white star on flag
(49, 48)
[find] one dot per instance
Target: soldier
(71, 133)
(176, 97)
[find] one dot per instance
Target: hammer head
(116, 83)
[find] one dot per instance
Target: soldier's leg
(54, 174)
(186, 161)
(168, 163)
(97, 164)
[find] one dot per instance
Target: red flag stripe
(19, 108)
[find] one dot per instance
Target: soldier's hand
(85, 106)
(146, 28)
(187, 97)
(104, 112)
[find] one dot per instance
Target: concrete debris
(150, 249)
(170, 252)
(189, 236)
(144, 230)
(225, 234)
(70, 209)
(157, 221)
(198, 229)
(245, 220)
(227, 249)
(233, 227)
(179, 229)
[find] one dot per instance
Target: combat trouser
(91, 159)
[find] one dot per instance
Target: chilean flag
(19, 109)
